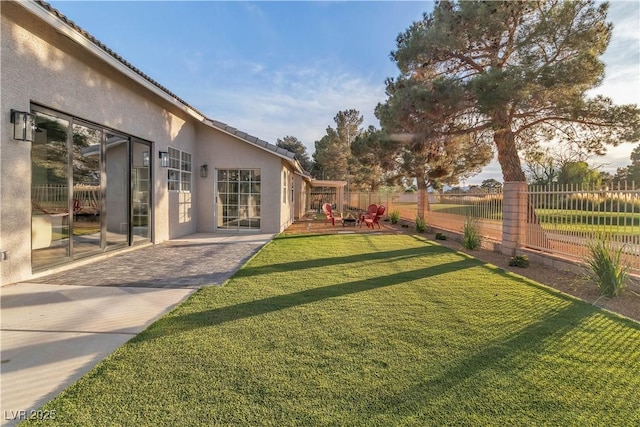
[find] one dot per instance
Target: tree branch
(563, 119)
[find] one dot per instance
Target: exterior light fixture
(164, 158)
(145, 158)
(24, 125)
(204, 171)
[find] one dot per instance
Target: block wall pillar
(514, 216)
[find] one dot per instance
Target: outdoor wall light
(145, 158)
(164, 158)
(24, 125)
(204, 171)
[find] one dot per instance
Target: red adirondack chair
(326, 208)
(370, 213)
(371, 221)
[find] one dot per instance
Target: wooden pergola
(335, 186)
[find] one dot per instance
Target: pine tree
(511, 73)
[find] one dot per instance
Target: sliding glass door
(90, 189)
(140, 186)
(87, 214)
(117, 185)
(50, 201)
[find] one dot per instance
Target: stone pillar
(514, 216)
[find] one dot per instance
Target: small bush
(394, 217)
(421, 225)
(440, 236)
(519, 261)
(471, 235)
(604, 267)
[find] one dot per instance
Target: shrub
(604, 267)
(471, 234)
(394, 216)
(421, 224)
(519, 261)
(440, 236)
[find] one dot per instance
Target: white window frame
(179, 171)
(292, 186)
(284, 187)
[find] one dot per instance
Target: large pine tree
(332, 156)
(513, 73)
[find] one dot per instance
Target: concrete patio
(57, 327)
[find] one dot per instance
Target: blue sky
(286, 68)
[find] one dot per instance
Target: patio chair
(370, 213)
(376, 219)
(326, 208)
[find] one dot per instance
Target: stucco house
(96, 156)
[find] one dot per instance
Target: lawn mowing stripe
(375, 330)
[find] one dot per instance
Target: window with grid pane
(284, 187)
(179, 170)
(238, 198)
(185, 172)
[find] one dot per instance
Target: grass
(593, 218)
(604, 267)
(586, 229)
(601, 222)
(368, 330)
(614, 223)
(471, 237)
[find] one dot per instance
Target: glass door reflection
(90, 191)
(140, 185)
(50, 192)
(117, 193)
(87, 212)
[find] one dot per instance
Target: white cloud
(272, 101)
(624, 15)
(297, 101)
(622, 58)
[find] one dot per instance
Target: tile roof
(213, 123)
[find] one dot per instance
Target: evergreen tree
(630, 174)
(578, 175)
(513, 73)
(294, 145)
(332, 156)
(491, 184)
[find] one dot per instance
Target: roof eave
(68, 28)
(73, 34)
(252, 140)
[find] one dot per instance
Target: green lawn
(368, 330)
(559, 219)
(607, 223)
(485, 210)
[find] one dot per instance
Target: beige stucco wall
(217, 150)
(41, 66)
(294, 189)
(303, 189)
